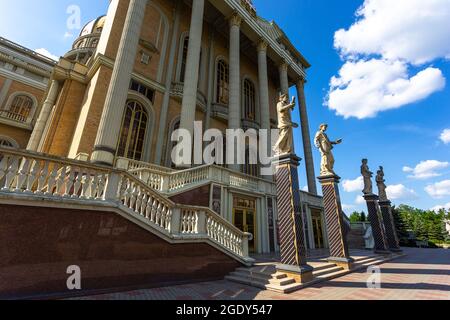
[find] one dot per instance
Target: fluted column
(234, 115)
(162, 130)
(306, 136)
(41, 122)
(190, 90)
(284, 80)
(111, 121)
(263, 85)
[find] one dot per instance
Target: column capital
(262, 45)
(235, 20)
(283, 66)
(301, 82)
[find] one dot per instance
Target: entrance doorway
(244, 218)
(317, 223)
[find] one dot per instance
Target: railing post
(112, 187)
(123, 164)
(201, 223)
(165, 182)
(175, 224)
(245, 250)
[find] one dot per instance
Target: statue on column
(381, 185)
(285, 141)
(325, 147)
(367, 176)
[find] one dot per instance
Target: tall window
(223, 76)
(134, 128)
(249, 100)
(20, 108)
(184, 59)
(248, 168)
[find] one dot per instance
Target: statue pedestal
(376, 221)
(339, 253)
(292, 240)
(391, 233)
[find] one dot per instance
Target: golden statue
(285, 141)
(325, 147)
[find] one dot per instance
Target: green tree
(355, 217)
(363, 217)
(400, 226)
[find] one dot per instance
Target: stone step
(324, 266)
(368, 260)
(248, 282)
(281, 282)
(248, 275)
(327, 271)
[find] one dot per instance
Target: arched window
(223, 75)
(134, 128)
(249, 100)
(6, 143)
(20, 108)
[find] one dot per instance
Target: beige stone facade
(126, 85)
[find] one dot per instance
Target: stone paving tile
(424, 274)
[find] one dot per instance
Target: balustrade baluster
(43, 178)
(60, 181)
(78, 183)
(33, 176)
(69, 182)
(148, 209)
(51, 184)
(154, 210)
(23, 175)
(11, 174)
(138, 200)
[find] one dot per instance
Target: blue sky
(403, 136)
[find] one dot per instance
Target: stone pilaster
(263, 85)
(337, 237)
(42, 120)
(306, 136)
(116, 97)
(162, 129)
(284, 80)
(391, 233)
(234, 107)
(190, 90)
(376, 221)
(292, 240)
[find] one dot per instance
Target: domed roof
(94, 26)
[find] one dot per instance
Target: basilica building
(137, 74)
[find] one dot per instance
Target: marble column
(376, 221)
(111, 120)
(334, 220)
(234, 105)
(264, 101)
(263, 85)
(41, 122)
(310, 174)
(162, 130)
(284, 80)
(291, 232)
(391, 232)
(211, 70)
(189, 103)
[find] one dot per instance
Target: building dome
(85, 45)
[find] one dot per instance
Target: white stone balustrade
(37, 177)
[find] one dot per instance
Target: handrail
(44, 176)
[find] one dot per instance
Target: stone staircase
(265, 276)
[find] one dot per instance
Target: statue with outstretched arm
(325, 146)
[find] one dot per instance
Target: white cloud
(439, 190)
(445, 136)
(366, 87)
(348, 207)
(438, 208)
(353, 185)
(378, 50)
(47, 53)
(400, 192)
(426, 169)
(360, 200)
(413, 30)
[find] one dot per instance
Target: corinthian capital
(235, 20)
(262, 45)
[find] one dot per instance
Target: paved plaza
(423, 274)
